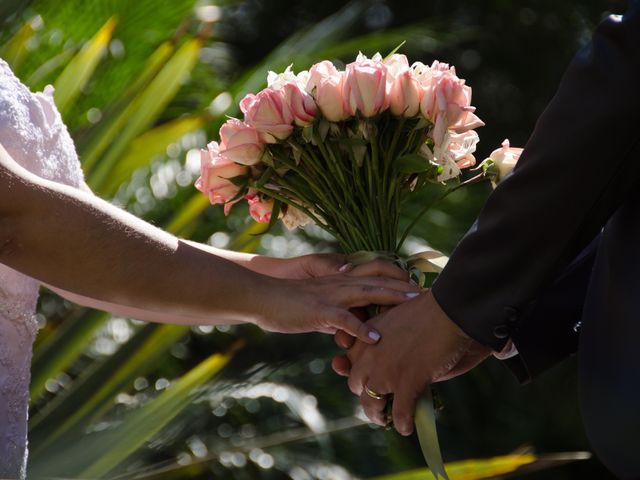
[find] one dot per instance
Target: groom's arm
(549, 327)
(579, 165)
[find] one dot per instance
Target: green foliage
(140, 96)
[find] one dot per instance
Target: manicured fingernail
(411, 294)
(373, 335)
(345, 268)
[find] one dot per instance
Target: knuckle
(344, 318)
(372, 413)
(378, 266)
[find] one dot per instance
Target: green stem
(355, 221)
(478, 178)
(383, 241)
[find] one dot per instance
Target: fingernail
(404, 430)
(373, 335)
(411, 294)
(345, 268)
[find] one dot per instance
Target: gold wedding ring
(373, 394)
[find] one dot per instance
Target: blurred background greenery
(142, 86)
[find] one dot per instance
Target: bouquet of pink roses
(343, 149)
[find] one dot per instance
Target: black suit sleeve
(548, 329)
(579, 165)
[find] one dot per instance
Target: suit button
(501, 331)
(511, 314)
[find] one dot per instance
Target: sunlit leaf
(141, 425)
(15, 49)
(77, 73)
(492, 468)
(63, 348)
(93, 455)
(151, 143)
(189, 212)
(90, 395)
(93, 144)
(426, 429)
(148, 106)
(49, 67)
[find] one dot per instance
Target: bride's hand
(323, 264)
(322, 304)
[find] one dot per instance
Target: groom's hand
(420, 345)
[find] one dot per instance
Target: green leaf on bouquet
(351, 141)
(412, 163)
(421, 124)
(428, 435)
(323, 129)
(395, 50)
(275, 214)
(77, 73)
(264, 178)
(239, 181)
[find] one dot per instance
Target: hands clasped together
(419, 345)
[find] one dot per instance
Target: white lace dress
(32, 131)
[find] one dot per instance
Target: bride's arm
(136, 312)
(80, 244)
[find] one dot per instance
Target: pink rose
(215, 172)
(269, 114)
(365, 87)
(326, 85)
(260, 210)
(300, 104)
(404, 95)
(396, 64)
(505, 158)
(240, 143)
(438, 66)
(461, 147)
(447, 102)
(454, 154)
(294, 218)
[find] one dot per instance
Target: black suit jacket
(535, 253)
